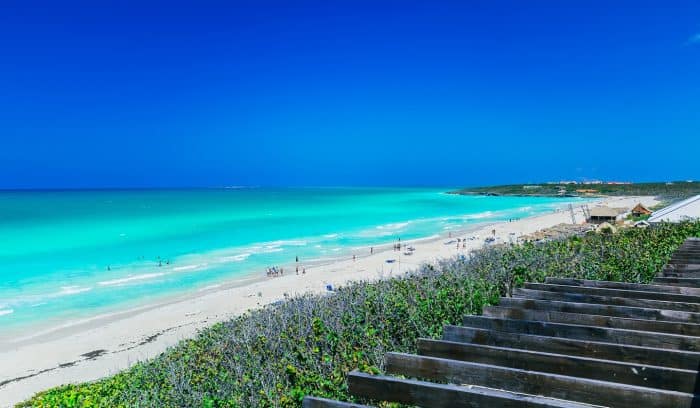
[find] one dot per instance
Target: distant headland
(667, 190)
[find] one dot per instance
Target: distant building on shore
(599, 215)
(563, 182)
(639, 210)
(594, 182)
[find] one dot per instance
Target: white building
(680, 211)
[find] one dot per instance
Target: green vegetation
(636, 218)
(275, 356)
(668, 191)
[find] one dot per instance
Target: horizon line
(252, 187)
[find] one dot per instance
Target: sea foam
(188, 267)
(72, 290)
(394, 226)
(128, 279)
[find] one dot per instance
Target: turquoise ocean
(70, 255)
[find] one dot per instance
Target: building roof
(604, 212)
(682, 210)
(639, 208)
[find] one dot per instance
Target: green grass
(275, 356)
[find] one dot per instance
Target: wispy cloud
(694, 40)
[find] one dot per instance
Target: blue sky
(145, 94)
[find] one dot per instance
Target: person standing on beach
(371, 250)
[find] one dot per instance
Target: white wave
(35, 300)
(236, 258)
(72, 290)
(374, 233)
(271, 249)
(383, 230)
(478, 216)
(128, 279)
(188, 267)
(282, 242)
(394, 226)
(234, 254)
(428, 238)
(330, 236)
(4, 312)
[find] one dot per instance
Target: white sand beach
(89, 350)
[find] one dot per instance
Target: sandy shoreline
(104, 345)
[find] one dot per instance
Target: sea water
(68, 255)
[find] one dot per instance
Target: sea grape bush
(274, 356)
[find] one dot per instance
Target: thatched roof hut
(601, 214)
(640, 210)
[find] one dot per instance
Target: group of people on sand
(275, 271)
(463, 242)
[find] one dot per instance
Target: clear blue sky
(138, 94)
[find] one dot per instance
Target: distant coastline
(666, 191)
